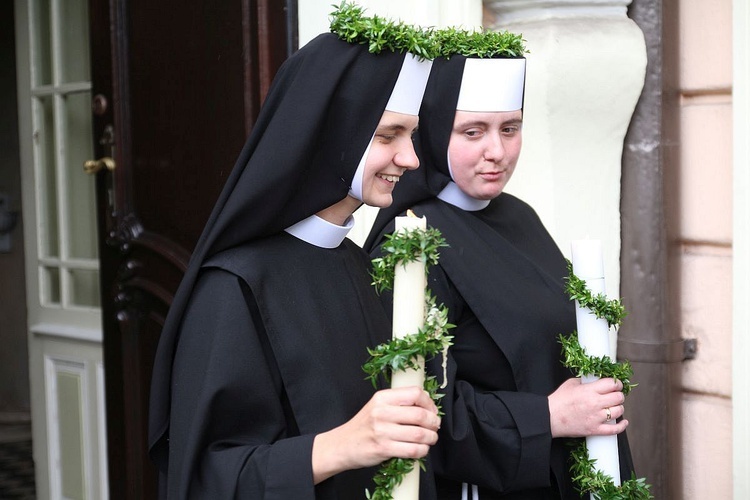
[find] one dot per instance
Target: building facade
(636, 120)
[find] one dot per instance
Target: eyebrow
(394, 127)
(483, 123)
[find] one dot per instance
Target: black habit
(265, 338)
(270, 355)
(502, 279)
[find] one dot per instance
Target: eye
(510, 129)
(386, 138)
(473, 132)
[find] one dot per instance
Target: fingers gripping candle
(593, 336)
(409, 284)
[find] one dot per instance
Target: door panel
(177, 86)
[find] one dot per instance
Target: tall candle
(409, 284)
(593, 335)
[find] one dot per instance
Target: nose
(495, 149)
(406, 157)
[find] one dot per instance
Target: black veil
(314, 126)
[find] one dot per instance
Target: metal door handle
(93, 166)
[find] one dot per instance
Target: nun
(257, 389)
(511, 407)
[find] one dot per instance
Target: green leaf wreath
(406, 352)
(585, 475)
(350, 24)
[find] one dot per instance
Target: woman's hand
(399, 423)
(577, 409)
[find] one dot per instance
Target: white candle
(593, 335)
(409, 284)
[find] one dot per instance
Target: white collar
(320, 232)
(452, 194)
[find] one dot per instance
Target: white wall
(585, 72)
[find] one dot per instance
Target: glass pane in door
(85, 288)
(74, 67)
(80, 195)
(45, 147)
(50, 286)
(41, 43)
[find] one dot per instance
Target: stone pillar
(585, 71)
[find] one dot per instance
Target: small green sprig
(350, 24)
(404, 247)
(407, 352)
(585, 476)
(583, 364)
(390, 475)
(404, 353)
(602, 486)
(480, 43)
(611, 310)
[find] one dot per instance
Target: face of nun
(483, 151)
(391, 154)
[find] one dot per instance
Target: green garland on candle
(600, 485)
(611, 310)
(405, 247)
(585, 475)
(405, 353)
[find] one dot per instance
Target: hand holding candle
(409, 286)
(593, 336)
(420, 331)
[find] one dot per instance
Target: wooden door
(176, 87)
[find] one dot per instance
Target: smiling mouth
(389, 178)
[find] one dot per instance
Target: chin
(488, 196)
(380, 203)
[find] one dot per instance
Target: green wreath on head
(378, 33)
(350, 24)
(480, 43)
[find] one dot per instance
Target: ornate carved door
(176, 86)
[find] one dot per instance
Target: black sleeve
(499, 440)
(229, 434)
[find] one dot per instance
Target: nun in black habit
(257, 389)
(510, 407)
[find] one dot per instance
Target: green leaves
(483, 44)
(404, 247)
(611, 310)
(402, 354)
(379, 34)
(585, 476)
(350, 24)
(390, 475)
(602, 486)
(406, 352)
(577, 359)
